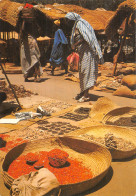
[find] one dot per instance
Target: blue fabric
(57, 53)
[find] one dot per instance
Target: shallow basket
(94, 157)
(101, 130)
(117, 113)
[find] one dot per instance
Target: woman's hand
(73, 47)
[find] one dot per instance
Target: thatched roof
(9, 12)
(118, 19)
(97, 18)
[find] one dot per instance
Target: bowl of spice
(57, 157)
(31, 158)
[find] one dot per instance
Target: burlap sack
(39, 183)
(124, 91)
(129, 81)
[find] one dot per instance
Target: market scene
(67, 98)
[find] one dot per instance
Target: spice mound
(124, 121)
(57, 157)
(73, 172)
(111, 142)
(31, 158)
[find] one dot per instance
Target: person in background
(59, 51)
(29, 50)
(83, 40)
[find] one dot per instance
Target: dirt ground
(121, 177)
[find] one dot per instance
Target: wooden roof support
(116, 56)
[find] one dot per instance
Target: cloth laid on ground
(88, 50)
(30, 57)
(73, 60)
(39, 183)
(59, 53)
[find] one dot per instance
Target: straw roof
(9, 12)
(118, 19)
(97, 18)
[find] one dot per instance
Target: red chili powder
(73, 172)
(10, 144)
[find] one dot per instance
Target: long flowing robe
(89, 50)
(30, 57)
(58, 53)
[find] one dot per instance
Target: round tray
(116, 114)
(94, 157)
(101, 130)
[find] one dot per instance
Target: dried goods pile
(44, 129)
(55, 106)
(7, 143)
(73, 172)
(19, 90)
(111, 142)
(124, 121)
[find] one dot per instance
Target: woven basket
(120, 132)
(93, 156)
(117, 113)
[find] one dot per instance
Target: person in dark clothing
(59, 51)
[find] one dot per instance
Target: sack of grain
(129, 81)
(37, 183)
(124, 91)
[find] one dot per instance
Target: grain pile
(19, 90)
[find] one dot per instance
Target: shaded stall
(122, 23)
(46, 14)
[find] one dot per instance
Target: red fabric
(27, 5)
(73, 60)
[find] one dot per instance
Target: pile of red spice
(73, 172)
(57, 157)
(10, 143)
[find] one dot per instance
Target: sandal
(26, 80)
(37, 80)
(83, 99)
(78, 96)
